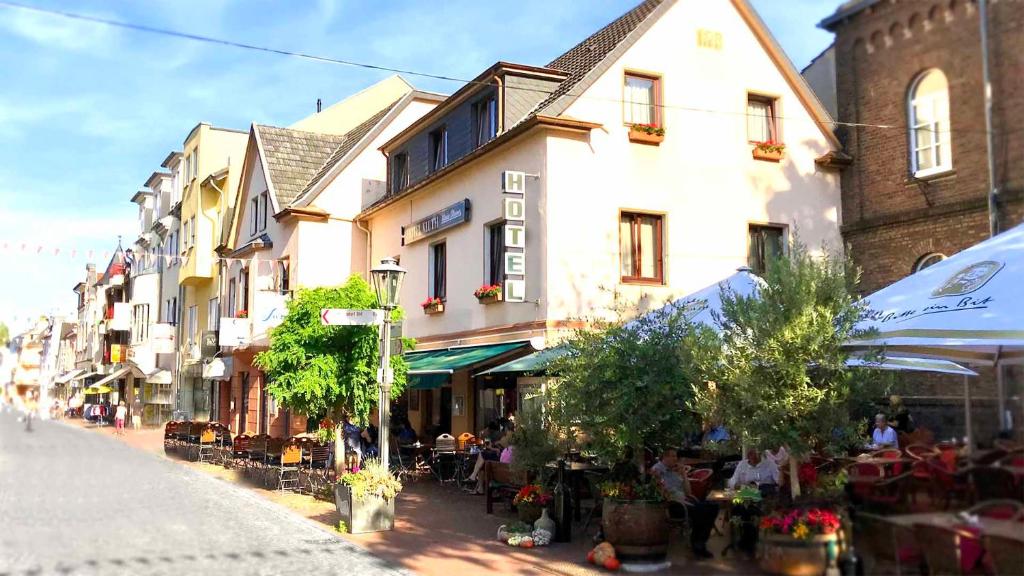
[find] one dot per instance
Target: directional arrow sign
(346, 317)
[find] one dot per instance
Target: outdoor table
(1012, 529)
(575, 472)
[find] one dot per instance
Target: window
(172, 311)
(496, 254)
(438, 266)
(762, 119)
(213, 314)
(254, 210)
(928, 260)
(232, 295)
(284, 277)
(640, 245)
(764, 244)
(243, 289)
(930, 151)
(399, 172)
(140, 323)
(264, 203)
(188, 168)
(439, 148)
(641, 99)
(485, 115)
(193, 324)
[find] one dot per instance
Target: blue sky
(87, 112)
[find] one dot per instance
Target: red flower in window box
(488, 293)
(242, 314)
(769, 150)
(646, 134)
(432, 305)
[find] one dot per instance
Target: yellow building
(209, 172)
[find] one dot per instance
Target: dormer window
(438, 148)
(485, 113)
(399, 172)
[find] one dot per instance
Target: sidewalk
(442, 531)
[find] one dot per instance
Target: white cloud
(60, 32)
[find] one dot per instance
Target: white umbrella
(966, 308)
(912, 364)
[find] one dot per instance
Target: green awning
(433, 368)
(532, 363)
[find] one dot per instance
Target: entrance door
(243, 411)
(264, 419)
(446, 410)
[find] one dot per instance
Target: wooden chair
(256, 454)
(946, 485)
(891, 454)
(1006, 554)
(222, 447)
(319, 471)
(948, 550)
(863, 477)
(240, 450)
(500, 482)
(287, 465)
(883, 540)
(1000, 510)
(205, 438)
(271, 458)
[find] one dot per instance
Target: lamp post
(387, 283)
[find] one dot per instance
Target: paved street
(76, 502)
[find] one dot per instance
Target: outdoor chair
(991, 483)
(1005, 554)
(465, 439)
(594, 480)
(240, 450)
(947, 486)
(700, 482)
(882, 540)
(287, 465)
(271, 458)
(222, 445)
(318, 471)
(893, 454)
(205, 439)
(999, 510)
(921, 451)
(891, 493)
(500, 483)
(949, 550)
(948, 455)
(170, 430)
(862, 478)
(256, 455)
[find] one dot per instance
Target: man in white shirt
(754, 471)
(884, 436)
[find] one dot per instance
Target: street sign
(345, 317)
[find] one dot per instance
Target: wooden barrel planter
(638, 530)
(784, 554)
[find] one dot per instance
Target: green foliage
(373, 479)
(533, 443)
(629, 385)
(342, 528)
(778, 376)
(327, 370)
(5, 334)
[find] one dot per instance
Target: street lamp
(387, 283)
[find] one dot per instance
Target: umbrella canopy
(98, 390)
(912, 364)
(701, 306)
(966, 308)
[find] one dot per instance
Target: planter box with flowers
(770, 151)
(488, 294)
(432, 305)
(799, 542)
(242, 314)
(531, 503)
(646, 134)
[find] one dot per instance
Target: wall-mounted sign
(710, 39)
(453, 215)
(211, 344)
(513, 186)
(235, 332)
(347, 317)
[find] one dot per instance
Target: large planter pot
(373, 514)
(529, 512)
(783, 554)
(638, 530)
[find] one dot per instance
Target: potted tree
(626, 386)
(366, 499)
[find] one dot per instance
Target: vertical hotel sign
(513, 188)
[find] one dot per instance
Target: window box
(488, 294)
(769, 151)
(432, 306)
(646, 134)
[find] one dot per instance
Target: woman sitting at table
(883, 436)
(496, 450)
(407, 434)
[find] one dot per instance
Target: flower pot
(640, 137)
(489, 299)
(371, 514)
(784, 554)
(529, 512)
(768, 155)
(638, 530)
(433, 309)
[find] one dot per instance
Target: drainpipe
(993, 194)
(369, 245)
(499, 103)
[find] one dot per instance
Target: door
(263, 415)
(446, 410)
(243, 411)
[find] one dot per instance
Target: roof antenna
(318, 105)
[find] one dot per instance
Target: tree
(5, 334)
(778, 376)
(328, 370)
(628, 385)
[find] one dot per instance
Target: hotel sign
(453, 215)
(513, 188)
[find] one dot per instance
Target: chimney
(319, 104)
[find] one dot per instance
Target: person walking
(31, 406)
(119, 415)
(137, 413)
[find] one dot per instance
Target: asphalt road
(76, 502)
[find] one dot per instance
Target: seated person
(493, 450)
(883, 436)
(701, 514)
(407, 434)
(753, 470)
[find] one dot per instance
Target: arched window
(927, 260)
(930, 152)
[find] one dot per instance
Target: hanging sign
(513, 188)
(347, 317)
(453, 215)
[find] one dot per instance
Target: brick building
(917, 191)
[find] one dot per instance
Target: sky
(88, 112)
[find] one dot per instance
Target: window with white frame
(254, 208)
(928, 110)
(264, 207)
(193, 324)
(232, 297)
(439, 148)
(485, 120)
(213, 314)
(641, 99)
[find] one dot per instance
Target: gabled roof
(293, 157)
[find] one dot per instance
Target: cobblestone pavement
(76, 502)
